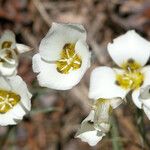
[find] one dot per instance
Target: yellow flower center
(6, 44)
(69, 60)
(8, 100)
(132, 78)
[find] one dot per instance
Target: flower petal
(136, 93)
(17, 85)
(115, 102)
(147, 109)
(51, 78)
(57, 37)
(8, 36)
(21, 48)
(102, 84)
(23, 91)
(87, 133)
(7, 119)
(129, 46)
(135, 98)
(91, 137)
(7, 71)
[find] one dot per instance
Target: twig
(46, 110)
(40, 7)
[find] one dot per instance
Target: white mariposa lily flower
(9, 51)
(87, 132)
(15, 100)
(130, 52)
(96, 124)
(63, 57)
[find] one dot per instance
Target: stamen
(8, 100)
(69, 59)
(132, 78)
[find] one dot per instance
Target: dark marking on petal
(131, 61)
(6, 44)
(117, 83)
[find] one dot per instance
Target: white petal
(8, 36)
(129, 46)
(136, 93)
(21, 48)
(146, 72)
(7, 119)
(20, 87)
(87, 133)
(90, 137)
(36, 63)
(102, 84)
(135, 98)
(115, 102)
(4, 55)
(51, 78)
(17, 85)
(7, 71)
(57, 37)
(4, 83)
(147, 110)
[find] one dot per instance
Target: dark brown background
(55, 130)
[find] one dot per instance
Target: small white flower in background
(96, 124)
(15, 100)
(63, 57)
(130, 52)
(9, 51)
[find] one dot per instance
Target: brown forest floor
(55, 130)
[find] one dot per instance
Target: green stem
(117, 144)
(5, 137)
(141, 126)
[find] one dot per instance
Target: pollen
(69, 60)
(132, 78)
(8, 100)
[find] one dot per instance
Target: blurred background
(56, 115)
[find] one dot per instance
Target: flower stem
(5, 137)
(141, 126)
(117, 145)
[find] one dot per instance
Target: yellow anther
(8, 100)
(69, 59)
(132, 78)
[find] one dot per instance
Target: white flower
(96, 124)
(87, 132)
(130, 52)
(9, 51)
(63, 57)
(15, 100)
